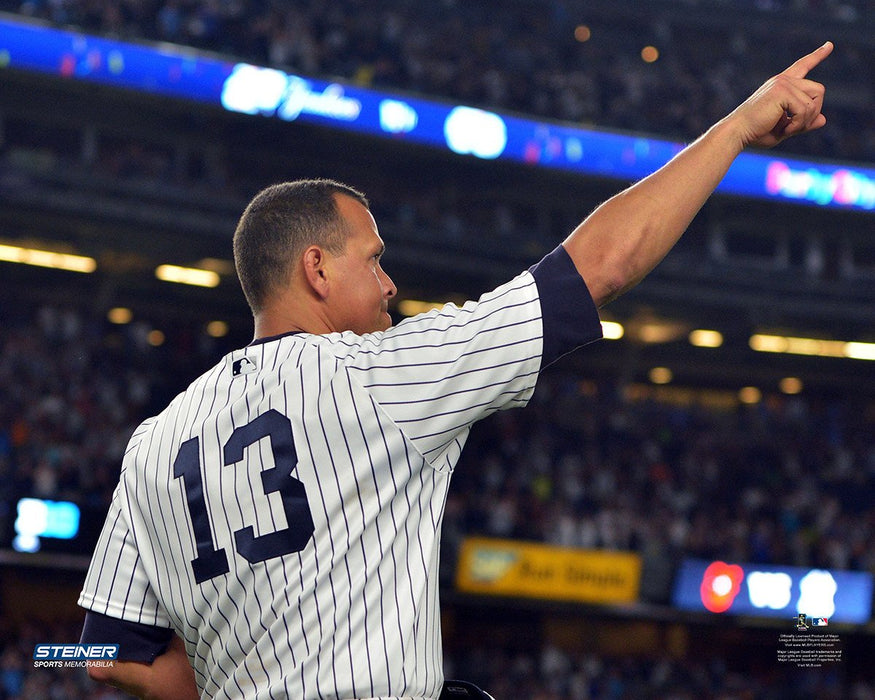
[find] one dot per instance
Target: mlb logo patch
(819, 621)
(243, 366)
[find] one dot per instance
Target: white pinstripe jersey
(283, 513)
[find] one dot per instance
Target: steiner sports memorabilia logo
(74, 655)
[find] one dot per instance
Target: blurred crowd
(590, 463)
(550, 673)
(563, 59)
(74, 389)
(557, 674)
(789, 480)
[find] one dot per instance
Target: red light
(721, 582)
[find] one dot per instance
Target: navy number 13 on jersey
(212, 562)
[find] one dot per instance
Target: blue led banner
(184, 73)
(763, 590)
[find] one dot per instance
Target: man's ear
(315, 272)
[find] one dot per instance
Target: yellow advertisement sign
(507, 567)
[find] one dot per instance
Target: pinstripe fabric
(377, 423)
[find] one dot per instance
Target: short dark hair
(278, 225)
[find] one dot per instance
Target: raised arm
(627, 236)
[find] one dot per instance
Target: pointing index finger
(801, 67)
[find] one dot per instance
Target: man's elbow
(604, 289)
(100, 673)
(129, 677)
(606, 275)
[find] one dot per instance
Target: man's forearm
(627, 236)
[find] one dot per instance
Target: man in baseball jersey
(275, 530)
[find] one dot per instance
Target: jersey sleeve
(136, 642)
(116, 584)
(437, 373)
(570, 316)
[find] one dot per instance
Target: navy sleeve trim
(136, 642)
(570, 316)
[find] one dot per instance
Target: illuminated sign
(397, 117)
(240, 87)
(482, 134)
(770, 589)
(773, 591)
(721, 582)
(38, 518)
(269, 92)
(511, 568)
(842, 187)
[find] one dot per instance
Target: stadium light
(860, 351)
(750, 395)
(156, 338)
(650, 54)
(582, 33)
(656, 332)
(217, 329)
(120, 315)
(660, 375)
(702, 338)
(612, 330)
(814, 347)
(791, 385)
(187, 275)
(47, 258)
